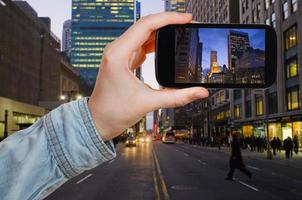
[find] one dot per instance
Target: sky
(216, 40)
(60, 11)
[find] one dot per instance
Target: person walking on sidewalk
(288, 147)
(236, 161)
(296, 144)
(274, 144)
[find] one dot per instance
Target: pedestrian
(236, 161)
(296, 144)
(288, 147)
(77, 136)
(274, 145)
(279, 145)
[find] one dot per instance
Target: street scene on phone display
(218, 55)
(234, 144)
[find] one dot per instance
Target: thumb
(171, 98)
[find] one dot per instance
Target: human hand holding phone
(120, 99)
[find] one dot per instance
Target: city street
(182, 171)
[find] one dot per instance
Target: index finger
(140, 32)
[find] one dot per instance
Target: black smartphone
(216, 55)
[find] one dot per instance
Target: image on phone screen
(219, 55)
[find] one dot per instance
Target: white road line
(255, 168)
(204, 163)
(185, 154)
(249, 186)
(83, 179)
(111, 161)
(176, 150)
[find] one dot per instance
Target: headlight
(127, 142)
(148, 139)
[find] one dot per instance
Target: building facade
(276, 111)
(31, 66)
(95, 23)
(66, 37)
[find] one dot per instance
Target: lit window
(268, 21)
(290, 37)
(267, 4)
(293, 98)
(237, 111)
(259, 105)
(292, 68)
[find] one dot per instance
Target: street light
(62, 97)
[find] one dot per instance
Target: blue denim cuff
(74, 140)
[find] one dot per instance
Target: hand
(120, 99)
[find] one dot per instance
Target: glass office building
(95, 23)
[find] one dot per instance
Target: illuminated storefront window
(287, 130)
(297, 131)
(274, 130)
(247, 130)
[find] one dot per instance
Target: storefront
(247, 130)
(259, 129)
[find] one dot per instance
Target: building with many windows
(276, 111)
(95, 23)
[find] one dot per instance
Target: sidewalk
(295, 161)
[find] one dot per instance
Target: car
(131, 141)
(169, 137)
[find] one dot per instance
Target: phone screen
(219, 55)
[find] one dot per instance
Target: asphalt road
(181, 171)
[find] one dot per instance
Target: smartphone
(216, 56)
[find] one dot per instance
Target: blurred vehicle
(157, 137)
(144, 139)
(169, 137)
(131, 141)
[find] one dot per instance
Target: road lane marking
(176, 150)
(249, 186)
(111, 161)
(163, 183)
(83, 179)
(252, 167)
(185, 154)
(204, 163)
(155, 181)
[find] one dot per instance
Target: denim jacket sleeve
(36, 161)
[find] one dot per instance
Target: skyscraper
(66, 37)
(238, 42)
(95, 23)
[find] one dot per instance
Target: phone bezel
(165, 56)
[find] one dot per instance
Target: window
(294, 5)
(293, 102)
(237, 94)
(259, 105)
(268, 21)
(290, 37)
(274, 19)
(267, 4)
(237, 111)
(291, 68)
(248, 109)
(285, 11)
(273, 103)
